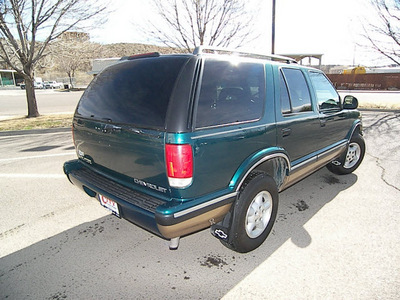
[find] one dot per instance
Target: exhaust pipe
(174, 243)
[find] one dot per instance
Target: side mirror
(350, 102)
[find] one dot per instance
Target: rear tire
(254, 213)
(352, 158)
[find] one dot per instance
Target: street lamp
(273, 27)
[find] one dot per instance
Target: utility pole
(273, 26)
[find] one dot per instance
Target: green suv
(179, 143)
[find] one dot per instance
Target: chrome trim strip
(344, 143)
(226, 132)
(316, 157)
(310, 160)
(205, 204)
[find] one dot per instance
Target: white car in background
(52, 85)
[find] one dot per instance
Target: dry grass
(42, 122)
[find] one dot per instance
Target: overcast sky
(329, 27)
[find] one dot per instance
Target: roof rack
(216, 50)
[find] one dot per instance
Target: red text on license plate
(109, 204)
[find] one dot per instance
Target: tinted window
(326, 95)
(230, 92)
(285, 100)
(298, 91)
(135, 92)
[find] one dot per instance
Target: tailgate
(134, 155)
(119, 124)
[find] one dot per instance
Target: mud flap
(221, 229)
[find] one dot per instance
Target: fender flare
(357, 125)
(257, 160)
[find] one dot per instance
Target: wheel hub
(352, 156)
(258, 214)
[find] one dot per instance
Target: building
(10, 78)
(74, 36)
(308, 56)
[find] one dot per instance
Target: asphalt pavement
(336, 237)
(13, 102)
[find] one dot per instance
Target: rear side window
(326, 94)
(135, 92)
(294, 92)
(285, 99)
(230, 92)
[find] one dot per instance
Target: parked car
(36, 84)
(178, 143)
(53, 85)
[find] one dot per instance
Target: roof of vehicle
(100, 64)
(206, 50)
(225, 51)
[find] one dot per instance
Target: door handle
(325, 120)
(286, 132)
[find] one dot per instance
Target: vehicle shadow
(111, 259)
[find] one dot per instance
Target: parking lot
(336, 237)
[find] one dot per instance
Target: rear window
(135, 92)
(230, 92)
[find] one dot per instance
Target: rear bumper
(168, 219)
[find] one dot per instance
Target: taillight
(179, 160)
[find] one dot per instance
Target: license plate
(109, 204)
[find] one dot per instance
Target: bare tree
(73, 55)
(384, 34)
(190, 23)
(27, 27)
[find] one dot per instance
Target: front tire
(350, 160)
(254, 213)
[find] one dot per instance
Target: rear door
(230, 120)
